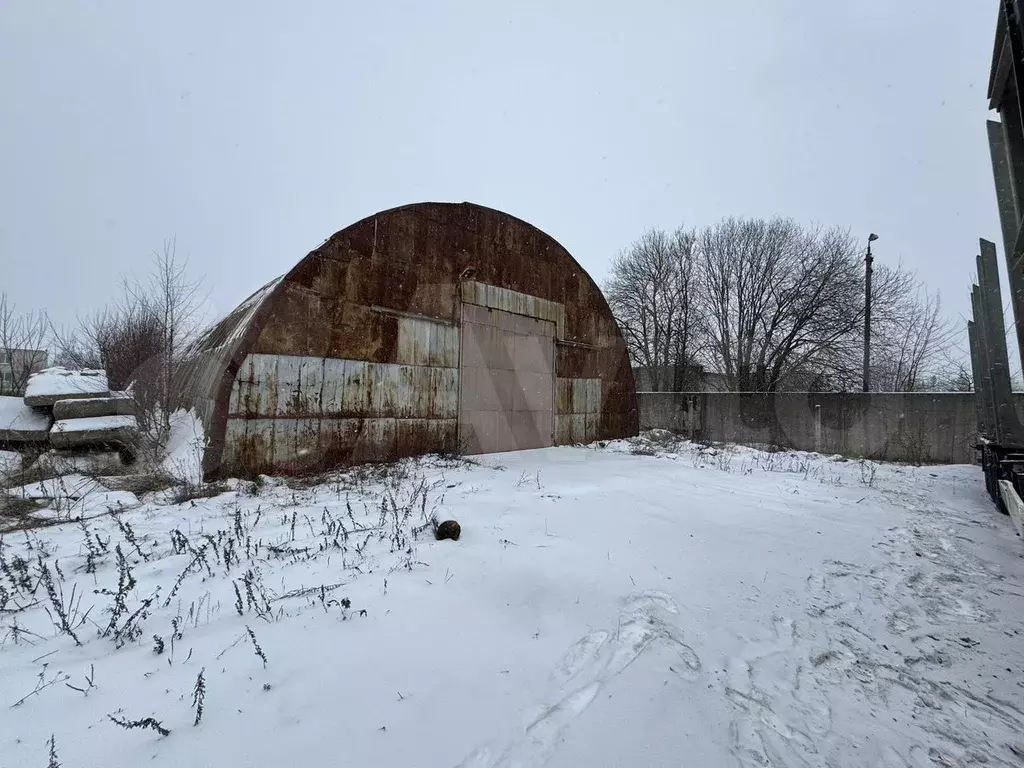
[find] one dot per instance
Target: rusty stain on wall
(354, 354)
(579, 410)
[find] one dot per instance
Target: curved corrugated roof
(228, 332)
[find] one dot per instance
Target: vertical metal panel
(338, 438)
(288, 368)
(377, 438)
(235, 441)
(572, 428)
(311, 382)
(258, 394)
(446, 393)
(579, 410)
(384, 393)
(579, 395)
(563, 395)
(411, 391)
(358, 387)
(332, 399)
(562, 433)
(412, 341)
(593, 396)
(285, 441)
(411, 436)
(425, 342)
(449, 348)
(307, 440)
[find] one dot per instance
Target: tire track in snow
(588, 664)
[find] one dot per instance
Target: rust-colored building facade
(434, 327)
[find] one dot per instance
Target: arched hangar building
(433, 327)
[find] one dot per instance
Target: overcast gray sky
(252, 131)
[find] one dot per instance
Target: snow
(15, 415)
(114, 395)
(66, 497)
(95, 424)
(55, 381)
(185, 447)
(706, 607)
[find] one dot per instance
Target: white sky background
(252, 131)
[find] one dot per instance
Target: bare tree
(652, 293)
(772, 305)
(139, 338)
(910, 340)
(23, 343)
(175, 301)
(780, 301)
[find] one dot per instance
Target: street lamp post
(867, 313)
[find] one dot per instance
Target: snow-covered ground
(602, 608)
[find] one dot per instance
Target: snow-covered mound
(185, 447)
(644, 603)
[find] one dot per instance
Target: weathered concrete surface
(99, 430)
(52, 384)
(914, 427)
(118, 404)
(21, 424)
(55, 462)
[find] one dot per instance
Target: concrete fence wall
(914, 427)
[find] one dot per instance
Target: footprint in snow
(651, 600)
(594, 659)
(580, 654)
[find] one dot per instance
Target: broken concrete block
(21, 424)
(97, 430)
(117, 404)
(55, 462)
(52, 384)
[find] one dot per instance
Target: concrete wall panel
(914, 427)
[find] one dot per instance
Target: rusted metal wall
(353, 355)
(579, 411)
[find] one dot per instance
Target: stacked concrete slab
(21, 424)
(95, 430)
(69, 410)
(115, 404)
(53, 384)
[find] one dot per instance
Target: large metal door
(507, 381)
